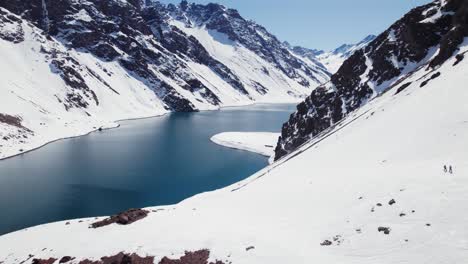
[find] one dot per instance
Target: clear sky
(321, 24)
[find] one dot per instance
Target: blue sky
(318, 23)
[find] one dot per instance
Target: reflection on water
(147, 162)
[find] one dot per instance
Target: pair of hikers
(449, 170)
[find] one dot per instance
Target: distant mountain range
(331, 60)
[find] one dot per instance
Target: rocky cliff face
(421, 41)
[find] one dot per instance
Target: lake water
(148, 162)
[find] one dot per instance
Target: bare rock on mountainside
(11, 120)
(197, 257)
(385, 230)
(44, 261)
(65, 259)
(124, 218)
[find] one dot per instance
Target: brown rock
(124, 218)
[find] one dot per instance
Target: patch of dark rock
(124, 218)
(338, 239)
(15, 35)
(402, 214)
(359, 231)
(385, 230)
(458, 59)
(105, 51)
(403, 87)
(197, 257)
(259, 88)
(177, 102)
(435, 75)
(249, 248)
(379, 204)
(391, 202)
(413, 211)
(326, 243)
(44, 261)
(360, 198)
(121, 258)
(67, 223)
(428, 224)
(458, 30)
(11, 120)
(66, 259)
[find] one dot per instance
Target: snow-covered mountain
(70, 67)
(416, 45)
(369, 189)
(331, 60)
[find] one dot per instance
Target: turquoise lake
(148, 162)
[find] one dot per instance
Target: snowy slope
(259, 142)
(71, 67)
(381, 166)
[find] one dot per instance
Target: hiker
(445, 168)
(450, 169)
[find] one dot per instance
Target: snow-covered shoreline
(40, 144)
(262, 143)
